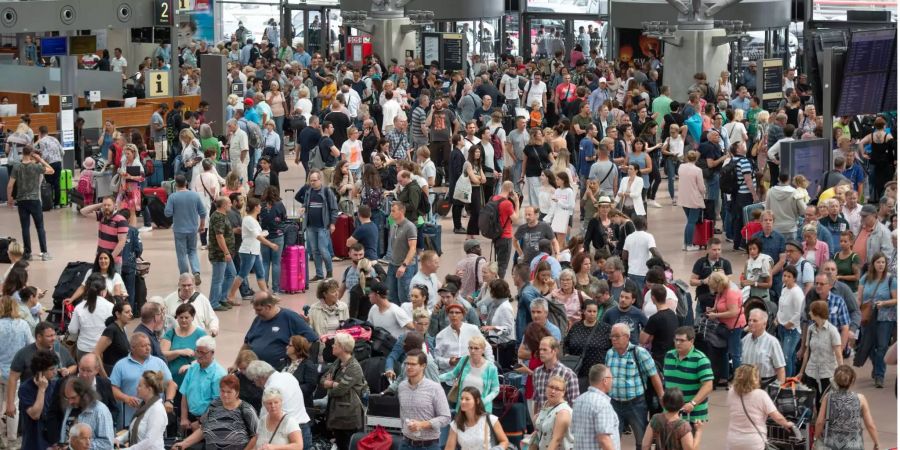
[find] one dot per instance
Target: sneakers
(654, 203)
(691, 248)
(879, 383)
(46, 257)
(197, 279)
(315, 279)
(145, 229)
(459, 231)
(222, 307)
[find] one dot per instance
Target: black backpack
(489, 220)
(71, 278)
(424, 208)
(728, 178)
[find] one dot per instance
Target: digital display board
(82, 45)
(810, 158)
(869, 70)
(564, 7)
(54, 46)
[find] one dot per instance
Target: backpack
(489, 220)
(728, 178)
(424, 208)
(683, 311)
(498, 148)
(254, 134)
(710, 94)
(85, 185)
(148, 165)
(315, 158)
(173, 125)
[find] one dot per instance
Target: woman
(276, 429)
(756, 270)
(727, 311)
(588, 338)
(346, 385)
(564, 201)
(232, 184)
(275, 100)
(302, 367)
(536, 160)
(272, 218)
(89, 317)
(673, 152)
(552, 426)
(474, 169)
(15, 334)
(816, 252)
(209, 143)
(230, 105)
(14, 286)
(667, 429)
(840, 422)
(249, 391)
(415, 85)
(191, 155)
(302, 104)
(631, 192)
(584, 280)
(474, 426)
(228, 424)
(691, 195)
(543, 279)
(749, 407)
(343, 184)
(35, 397)
(570, 298)
(793, 109)
(351, 153)
(734, 130)
(807, 120)
(823, 350)
(103, 265)
(113, 344)
(450, 342)
(790, 306)
(576, 56)
(252, 236)
(599, 232)
(371, 194)
(878, 303)
(528, 351)
(847, 261)
(209, 187)
(589, 202)
(546, 192)
(474, 371)
(400, 94)
(326, 315)
(499, 319)
(179, 343)
(418, 300)
(148, 427)
(129, 196)
(883, 156)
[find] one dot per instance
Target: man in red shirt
(565, 92)
(509, 213)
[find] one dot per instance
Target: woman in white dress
(545, 193)
(148, 427)
(564, 200)
(552, 426)
(473, 428)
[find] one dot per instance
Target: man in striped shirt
(113, 228)
(746, 192)
(689, 369)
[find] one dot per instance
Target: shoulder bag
(453, 395)
(822, 442)
(769, 446)
(650, 398)
(489, 436)
(868, 310)
(462, 191)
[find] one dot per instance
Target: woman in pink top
(748, 408)
(691, 192)
(814, 250)
(727, 311)
(275, 100)
(570, 298)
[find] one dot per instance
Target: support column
(68, 72)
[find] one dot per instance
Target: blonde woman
(749, 407)
(552, 425)
(303, 105)
(132, 174)
(230, 106)
(278, 105)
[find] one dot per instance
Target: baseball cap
(248, 101)
(379, 288)
(449, 287)
(471, 244)
(602, 80)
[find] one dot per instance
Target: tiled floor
(72, 237)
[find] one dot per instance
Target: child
(536, 117)
(801, 183)
(85, 185)
(754, 226)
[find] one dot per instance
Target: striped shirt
(744, 168)
(689, 374)
(110, 230)
(764, 352)
(627, 381)
(417, 118)
(592, 415)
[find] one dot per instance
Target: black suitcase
(4, 181)
(384, 405)
(158, 213)
(46, 196)
(373, 368)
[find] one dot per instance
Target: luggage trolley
(797, 403)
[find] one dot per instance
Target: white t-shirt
(408, 309)
(676, 146)
(353, 151)
(279, 436)
(90, 325)
(535, 91)
(394, 320)
(118, 64)
(638, 245)
(510, 86)
(250, 229)
(428, 169)
(111, 283)
(650, 307)
(473, 437)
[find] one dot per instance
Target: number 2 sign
(163, 13)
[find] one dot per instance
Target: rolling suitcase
(4, 181)
(343, 229)
(46, 196)
(158, 212)
(65, 185)
(157, 178)
(703, 232)
(293, 269)
(157, 192)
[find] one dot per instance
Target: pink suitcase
(294, 272)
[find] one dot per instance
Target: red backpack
(498, 149)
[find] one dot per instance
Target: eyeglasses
(556, 388)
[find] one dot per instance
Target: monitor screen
(82, 45)
(54, 46)
(869, 69)
(810, 158)
(559, 7)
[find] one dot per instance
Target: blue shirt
(738, 103)
(303, 58)
(627, 369)
(367, 235)
(269, 338)
(98, 417)
(252, 115)
(127, 374)
(855, 174)
(585, 150)
(634, 318)
(32, 430)
(553, 330)
(773, 245)
(16, 334)
(185, 208)
(201, 386)
(523, 315)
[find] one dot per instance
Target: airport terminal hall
(448, 225)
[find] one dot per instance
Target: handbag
(769, 446)
(453, 395)
(706, 329)
(378, 439)
(868, 309)
(462, 191)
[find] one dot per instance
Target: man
(639, 247)
(531, 233)
(366, 234)
(205, 318)
(794, 257)
(417, 118)
(188, 218)
(786, 205)
(659, 334)
(385, 314)
(748, 77)
(614, 269)
(843, 291)
(564, 92)
(835, 223)
(744, 196)
(689, 369)
(626, 313)
(439, 125)
(27, 177)
(449, 295)
(309, 138)
(763, 350)
(516, 141)
(402, 265)
(410, 195)
(329, 153)
(774, 151)
(152, 323)
(711, 151)
(264, 376)
(429, 263)
(874, 237)
(301, 56)
(52, 152)
(595, 424)
(119, 64)
(351, 98)
(401, 148)
(158, 132)
(548, 352)
(88, 369)
(271, 330)
(601, 95)
(201, 383)
(84, 405)
(632, 368)
(421, 321)
(545, 246)
(587, 148)
(320, 210)
(811, 217)
(20, 368)
(127, 373)
(852, 212)
(526, 294)
(838, 314)
(536, 91)
(80, 437)
(603, 170)
(238, 149)
(424, 410)
(742, 100)
(220, 255)
(773, 244)
(509, 85)
(509, 213)
(540, 311)
(352, 274)
(705, 266)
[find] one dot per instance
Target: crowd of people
(557, 163)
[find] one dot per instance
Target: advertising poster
(564, 6)
(195, 21)
(635, 48)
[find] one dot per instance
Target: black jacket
(455, 169)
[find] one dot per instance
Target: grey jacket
(879, 241)
(329, 208)
(345, 407)
(786, 207)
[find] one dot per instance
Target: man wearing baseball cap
(873, 236)
(805, 271)
(385, 314)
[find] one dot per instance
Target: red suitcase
(703, 232)
(294, 273)
(156, 192)
(343, 229)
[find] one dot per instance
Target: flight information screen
(870, 73)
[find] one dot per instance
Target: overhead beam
(73, 15)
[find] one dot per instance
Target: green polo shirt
(689, 374)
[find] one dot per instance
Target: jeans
(655, 178)
(789, 341)
(271, 261)
(671, 170)
(405, 446)
(186, 252)
(883, 332)
(693, 218)
(638, 280)
(398, 288)
(31, 210)
(279, 128)
(713, 193)
(306, 432)
(516, 174)
(503, 247)
(734, 351)
(223, 273)
(253, 262)
(634, 414)
(318, 241)
(129, 277)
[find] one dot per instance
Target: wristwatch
(693, 403)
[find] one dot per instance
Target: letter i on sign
(159, 84)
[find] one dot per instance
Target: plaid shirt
(542, 376)
(838, 314)
(627, 381)
(592, 415)
(400, 146)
